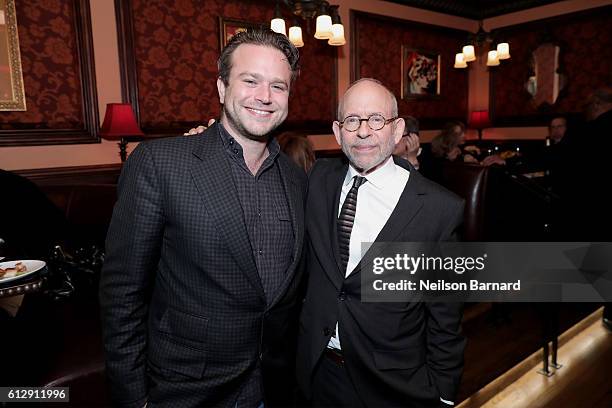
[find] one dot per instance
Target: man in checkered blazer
(199, 287)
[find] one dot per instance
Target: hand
(453, 154)
(494, 159)
(199, 129)
(412, 144)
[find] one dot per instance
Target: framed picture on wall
(229, 27)
(420, 73)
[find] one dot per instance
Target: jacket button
(342, 296)
(326, 332)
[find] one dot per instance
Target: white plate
(31, 265)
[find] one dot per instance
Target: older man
(198, 291)
(354, 354)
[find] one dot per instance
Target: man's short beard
(241, 129)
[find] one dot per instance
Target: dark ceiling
(475, 9)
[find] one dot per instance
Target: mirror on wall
(12, 96)
(545, 82)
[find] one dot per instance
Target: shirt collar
(380, 178)
(232, 146)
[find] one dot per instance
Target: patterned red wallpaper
(585, 58)
(378, 42)
(50, 67)
(177, 46)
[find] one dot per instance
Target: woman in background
(298, 148)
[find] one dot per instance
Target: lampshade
(337, 38)
(492, 59)
(324, 27)
(460, 61)
(119, 122)
(469, 53)
(278, 26)
(295, 36)
(503, 51)
(479, 119)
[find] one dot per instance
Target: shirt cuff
(447, 402)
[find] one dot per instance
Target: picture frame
(420, 73)
(229, 26)
(12, 95)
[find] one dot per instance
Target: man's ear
(336, 129)
(221, 90)
(398, 130)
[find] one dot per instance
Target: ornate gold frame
(17, 102)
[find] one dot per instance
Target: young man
(198, 290)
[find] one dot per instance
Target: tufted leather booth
(473, 183)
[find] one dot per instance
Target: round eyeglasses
(375, 122)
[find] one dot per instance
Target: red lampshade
(479, 119)
(119, 122)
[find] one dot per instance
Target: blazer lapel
(334, 188)
(210, 175)
(296, 209)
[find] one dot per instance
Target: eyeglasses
(375, 122)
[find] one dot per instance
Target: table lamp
(120, 124)
(479, 120)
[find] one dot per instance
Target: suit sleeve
(132, 253)
(445, 343)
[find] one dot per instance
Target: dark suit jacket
(183, 309)
(397, 354)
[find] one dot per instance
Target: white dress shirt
(376, 200)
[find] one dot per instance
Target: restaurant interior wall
(109, 84)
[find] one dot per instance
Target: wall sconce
(120, 124)
(328, 24)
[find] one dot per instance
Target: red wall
(177, 46)
(49, 60)
(378, 43)
(585, 39)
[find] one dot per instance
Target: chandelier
(468, 53)
(328, 24)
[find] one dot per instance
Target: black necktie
(346, 220)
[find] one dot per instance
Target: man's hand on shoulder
(199, 129)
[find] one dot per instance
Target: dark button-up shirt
(266, 212)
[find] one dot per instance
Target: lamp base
(123, 149)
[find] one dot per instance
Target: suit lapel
(333, 189)
(296, 208)
(212, 177)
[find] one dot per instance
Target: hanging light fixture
(337, 29)
(328, 25)
(278, 24)
(295, 35)
(480, 38)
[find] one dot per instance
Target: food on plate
(18, 269)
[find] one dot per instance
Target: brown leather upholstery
(472, 183)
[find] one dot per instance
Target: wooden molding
(127, 55)
(96, 174)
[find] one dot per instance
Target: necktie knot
(358, 181)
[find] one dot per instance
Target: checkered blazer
(184, 312)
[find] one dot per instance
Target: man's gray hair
(375, 81)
